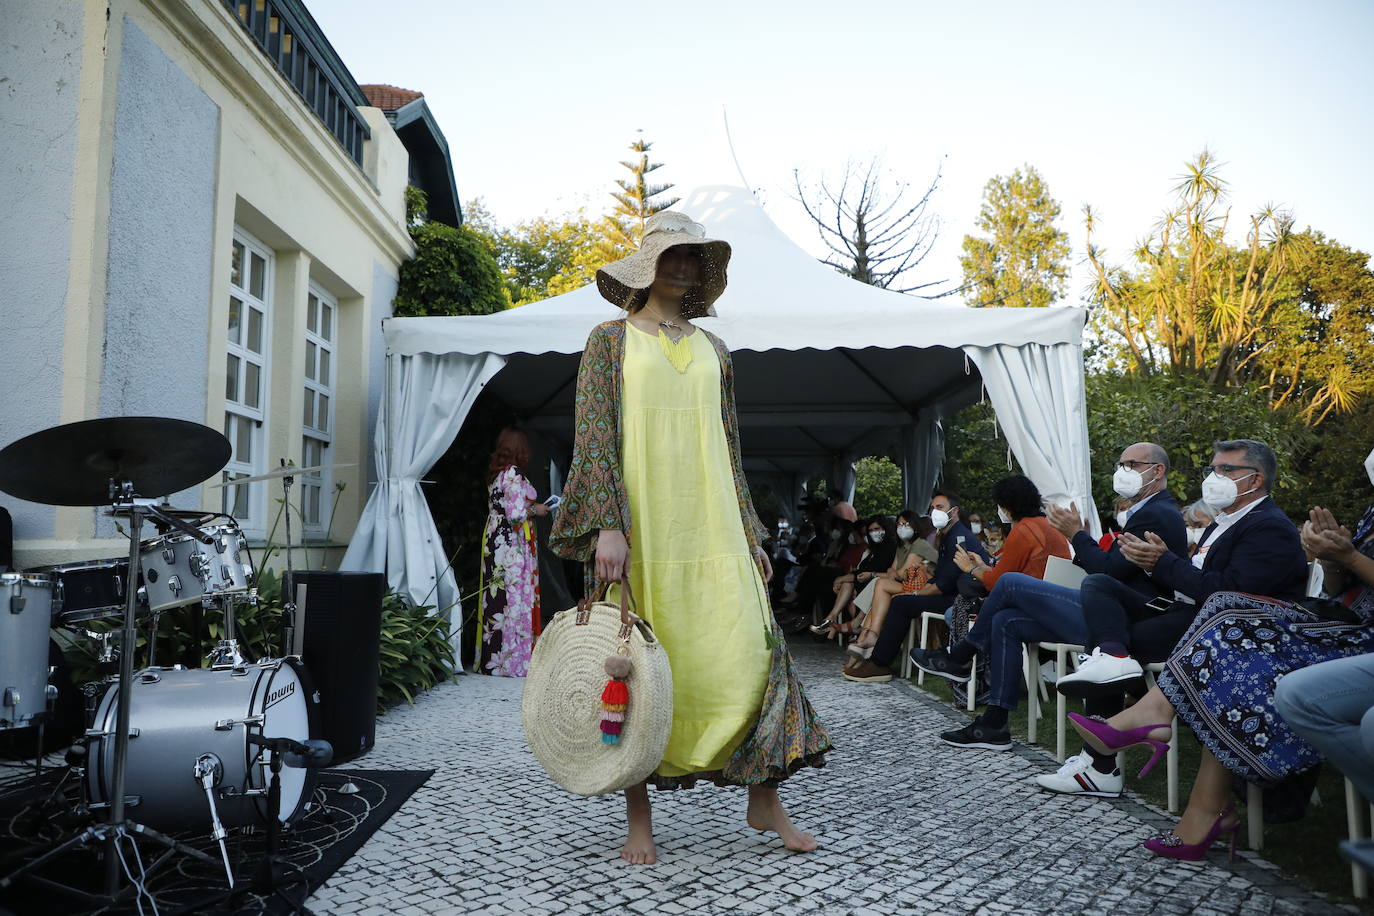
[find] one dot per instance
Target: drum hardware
(210, 772)
(112, 462)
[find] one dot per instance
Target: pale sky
(539, 101)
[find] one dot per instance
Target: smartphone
(1160, 605)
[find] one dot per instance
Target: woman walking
(508, 604)
(656, 492)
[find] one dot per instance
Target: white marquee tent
(827, 370)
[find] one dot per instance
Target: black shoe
(937, 661)
(976, 734)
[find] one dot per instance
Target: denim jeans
(903, 610)
(1019, 610)
(1331, 705)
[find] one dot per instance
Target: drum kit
(166, 749)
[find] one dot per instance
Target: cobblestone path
(906, 824)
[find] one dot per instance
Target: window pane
(235, 316)
(231, 379)
(251, 374)
(309, 360)
(243, 448)
(326, 320)
(309, 418)
(322, 419)
(239, 508)
(259, 276)
(236, 265)
(312, 311)
(324, 376)
(254, 342)
(312, 512)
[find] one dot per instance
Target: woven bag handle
(627, 600)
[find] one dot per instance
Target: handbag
(598, 701)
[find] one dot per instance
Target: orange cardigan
(1030, 544)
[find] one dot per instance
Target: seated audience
(1197, 517)
(1112, 522)
(879, 550)
(911, 570)
(1022, 609)
(974, 520)
(936, 595)
(1256, 680)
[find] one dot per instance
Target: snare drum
(180, 570)
(26, 601)
(177, 716)
(89, 591)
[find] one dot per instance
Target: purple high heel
(1171, 847)
(1105, 739)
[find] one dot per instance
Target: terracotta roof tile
(389, 98)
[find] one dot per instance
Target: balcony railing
(293, 42)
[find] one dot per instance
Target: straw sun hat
(620, 282)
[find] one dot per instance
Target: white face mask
(1121, 519)
(1004, 515)
(876, 536)
(905, 532)
(1194, 535)
(975, 527)
(834, 534)
(1220, 492)
(939, 518)
(1128, 482)
(1369, 467)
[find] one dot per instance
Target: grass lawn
(1304, 850)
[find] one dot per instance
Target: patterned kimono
(787, 734)
(508, 605)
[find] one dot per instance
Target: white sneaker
(1100, 674)
(1077, 777)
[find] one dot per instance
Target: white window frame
(236, 410)
(320, 342)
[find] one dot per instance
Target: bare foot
(767, 813)
(639, 846)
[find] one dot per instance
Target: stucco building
(203, 217)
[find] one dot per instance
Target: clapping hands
(1143, 552)
(1325, 539)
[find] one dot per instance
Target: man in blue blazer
(1250, 547)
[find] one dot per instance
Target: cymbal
(289, 470)
(72, 464)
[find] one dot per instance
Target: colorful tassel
(615, 698)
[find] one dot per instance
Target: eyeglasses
(1225, 469)
(1132, 465)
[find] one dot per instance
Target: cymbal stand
(288, 603)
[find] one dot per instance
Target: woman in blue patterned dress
(1222, 675)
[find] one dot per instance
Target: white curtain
(1037, 391)
(426, 400)
(923, 454)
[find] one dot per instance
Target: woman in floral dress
(508, 606)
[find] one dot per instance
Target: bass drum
(179, 715)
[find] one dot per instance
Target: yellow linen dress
(690, 568)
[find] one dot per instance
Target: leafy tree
(541, 257)
(1024, 259)
(875, 232)
(877, 486)
(976, 456)
(1196, 305)
(635, 203)
(1320, 348)
(452, 272)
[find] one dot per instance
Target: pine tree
(635, 203)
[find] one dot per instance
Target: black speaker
(338, 631)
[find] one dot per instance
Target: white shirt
(1224, 522)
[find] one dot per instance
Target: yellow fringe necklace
(679, 352)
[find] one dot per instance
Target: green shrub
(452, 273)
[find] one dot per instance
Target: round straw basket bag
(598, 704)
